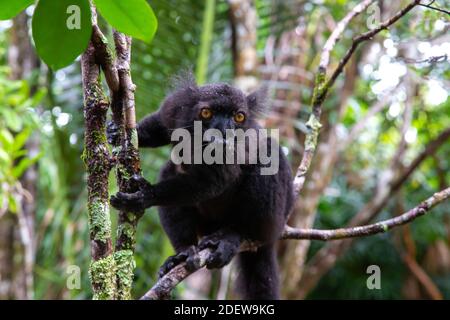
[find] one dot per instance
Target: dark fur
(224, 204)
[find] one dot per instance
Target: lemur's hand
(137, 201)
(112, 133)
(224, 246)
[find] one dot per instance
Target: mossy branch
(97, 160)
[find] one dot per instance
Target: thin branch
(429, 6)
(338, 30)
(321, 88)
(367, 36)
(371, 229)
(105, 58)
(423, 278)
(431, 60)
(162, 289)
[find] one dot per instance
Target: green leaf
(61, 30)
(132, 17)
(20, 139)
(23, 165)
(4, 157)
(9, 9)
(13, 120)
(6, 139)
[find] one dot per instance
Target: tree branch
(367, 36)
(321, 88)
(97, 160)
(162, 289)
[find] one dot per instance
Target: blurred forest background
(391, 102)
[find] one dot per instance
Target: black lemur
(220, 204)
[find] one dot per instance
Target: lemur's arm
(181, 190)
(151, 132)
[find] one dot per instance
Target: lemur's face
(216, 106)
(222, 107)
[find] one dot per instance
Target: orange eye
(239, 117)
(206, 113)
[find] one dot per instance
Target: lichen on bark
(102, 275)
(313, 126)
(125, 264)
(100, 221)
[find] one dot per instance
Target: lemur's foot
(112, 133)
(189, 256)
(223, 248)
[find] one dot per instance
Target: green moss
(100, 222)
(102, 275)
(319, 87)
(123, 172)
(99, 137)
(129, 231)
(131, 216)
(125, 265)
(84, 156)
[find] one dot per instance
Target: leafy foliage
(18, 120)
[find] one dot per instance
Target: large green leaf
(132, 17)
(59, 37)
(9, 9)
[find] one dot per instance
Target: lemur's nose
(222, 124)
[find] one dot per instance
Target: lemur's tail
(258, 274)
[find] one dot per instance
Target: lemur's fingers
(193, 259)
(140, 181)
(171, 262)
(222, 255)
(129, 197)
(209, 242)
(212, 240)
(187, 256)
(223, 246)
(128, 201)
(112, 133)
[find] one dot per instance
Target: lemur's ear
(257, 101)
